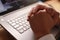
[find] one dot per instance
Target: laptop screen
(7, 6)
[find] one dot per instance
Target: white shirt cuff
(48, 37)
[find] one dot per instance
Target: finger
(36, 9)
(54, 14)
(41, 11)
(50, 11)
(56, 17)
(39, 7)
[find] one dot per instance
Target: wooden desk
(4, 35)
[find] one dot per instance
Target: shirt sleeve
(48, 37)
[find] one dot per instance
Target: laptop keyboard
(20, 24)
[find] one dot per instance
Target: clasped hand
(42, 19)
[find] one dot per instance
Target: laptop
(14, 19)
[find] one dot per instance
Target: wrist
(39, 35)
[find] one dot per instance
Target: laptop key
(21, 31)
(19, 27)
(16, 26)
(13, 24)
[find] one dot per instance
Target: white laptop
(16, 23)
